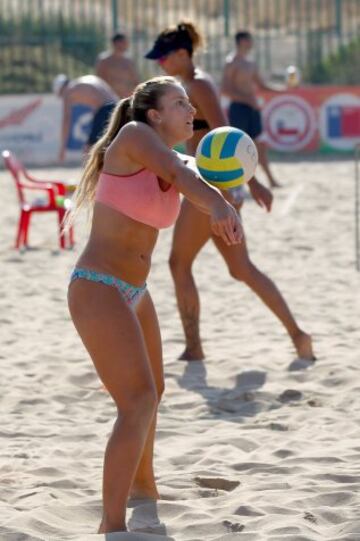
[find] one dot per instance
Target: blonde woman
(133, 179)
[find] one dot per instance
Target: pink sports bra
(140, 197)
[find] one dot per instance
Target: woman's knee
(243, 272)
(138, 402)
(177, 265)
(174, 262)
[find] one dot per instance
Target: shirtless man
(89, 91)
(116, 69)
(240, 82)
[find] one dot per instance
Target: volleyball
(226, 157)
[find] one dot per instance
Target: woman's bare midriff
(119, 246)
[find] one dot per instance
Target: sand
(251, 444)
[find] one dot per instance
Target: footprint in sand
(233, 526)
(314, 403)
(309, 516)
(217, 483)
(278, 426)
(290, 395)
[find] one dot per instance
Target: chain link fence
(40, 38)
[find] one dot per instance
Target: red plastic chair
(56, 196)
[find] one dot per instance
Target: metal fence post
(338, 17)
(62, 33)
(226, 17)
(114, 9)
(357, 207)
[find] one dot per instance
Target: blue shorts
(246, 118)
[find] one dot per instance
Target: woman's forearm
(195, 189)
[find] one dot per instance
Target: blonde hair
(145, 96)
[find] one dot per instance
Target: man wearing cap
(116, 69)
(89, 92)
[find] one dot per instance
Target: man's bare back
(240, 78)
(118, 71)
(89, 90)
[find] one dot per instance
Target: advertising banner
(30, 127)
(81, 120)
(323, 118)
(303, 119)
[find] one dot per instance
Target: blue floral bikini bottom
(131, 294)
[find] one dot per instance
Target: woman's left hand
(225, 222)
(261, 194)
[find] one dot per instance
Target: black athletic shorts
(100, 122)
(246, 118)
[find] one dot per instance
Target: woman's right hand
(225, 222)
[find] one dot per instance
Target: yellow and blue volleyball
(226, 157)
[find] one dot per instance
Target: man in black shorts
(100, 121)
(240, 82)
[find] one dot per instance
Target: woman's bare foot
(303, 345)
(192, 355)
